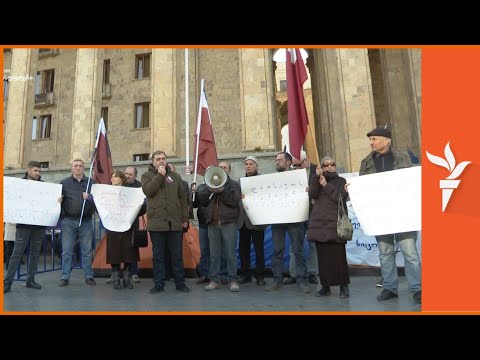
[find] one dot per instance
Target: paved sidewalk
(78, 296)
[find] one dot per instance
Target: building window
(44, 164)
(5, 89)
(283, 85)
(41, 127)
(106, 71)
(142, 115)
(142, 66)
(104, 115)
(44, 81)
(7, 50)
(44, 50)
(141, 157)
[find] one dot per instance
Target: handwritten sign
(30, 202)
(388, 202)
(278, 198)
(117, 206)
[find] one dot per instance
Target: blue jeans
(70, 231)
(297, 235)
(171, 241)
(22, 237)
(204, 265)
(312, 261)
(223, 243)
(413, 268)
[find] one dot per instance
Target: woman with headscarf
(325, 188)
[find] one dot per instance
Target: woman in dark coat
(325, 188)
(118, 246)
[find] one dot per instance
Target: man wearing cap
(248, 233)
(384, 158)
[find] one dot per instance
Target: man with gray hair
(384, 158)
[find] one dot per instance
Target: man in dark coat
(167, 214)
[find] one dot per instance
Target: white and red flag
(297, 112)
(102, 161)
(205, 152)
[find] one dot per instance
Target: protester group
(222, 219)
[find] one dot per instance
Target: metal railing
(52, 248)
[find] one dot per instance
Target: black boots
(344, 291)
(324, 291)
(127, 282)
(32, 284)
(116, 280)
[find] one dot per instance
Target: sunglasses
(326, 165)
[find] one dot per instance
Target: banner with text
(117, 206)
(30, 202)
(276, 198)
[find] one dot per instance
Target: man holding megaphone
(221, 197)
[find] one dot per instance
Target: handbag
(344, 225)
(140, 236)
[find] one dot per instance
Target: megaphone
(215, 177)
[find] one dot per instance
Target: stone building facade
(53, 116)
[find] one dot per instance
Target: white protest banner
(30, 202)
(388, 202)
(276, 198)
(117, 206)
(363, 249)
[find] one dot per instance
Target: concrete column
(257, 99)
(84, 123)
(16, 129)
(343, 105)
(401, 68)
(163, 104)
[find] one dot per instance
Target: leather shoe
(183, 289)
(417, 297)
(324, 291)
(244, 279)
(312, 279)
(63, 282)
(261, 281)
(289, 280)
(386, 295)
(90, 281)
(156, 289)
(32, 284)
(202, 280)
(6, 287)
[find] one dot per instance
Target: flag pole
(187, 122)
(199, 119)
(91, 167)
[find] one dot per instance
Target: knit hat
(253, 158)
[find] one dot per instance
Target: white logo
(449, 184)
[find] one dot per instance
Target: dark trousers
(246, 237)
(171, 242)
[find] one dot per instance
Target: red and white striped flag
(205, 153)
(297, 112)
(102, 160)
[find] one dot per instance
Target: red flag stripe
(297, 112)
(102, 165)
